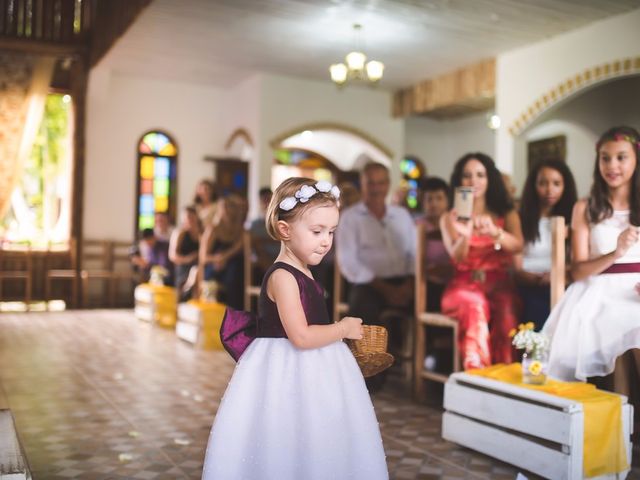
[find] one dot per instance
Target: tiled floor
(100, 395)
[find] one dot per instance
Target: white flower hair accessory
(307, 191)
(288, 203)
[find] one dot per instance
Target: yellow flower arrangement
(535, 368)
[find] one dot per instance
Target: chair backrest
(16, 258)
(340, 307)
(558, 259)
(248, 268)
(420, 274)
(96, 255)
(57, 254)
(121, 256)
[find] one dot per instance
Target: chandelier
(356, 67)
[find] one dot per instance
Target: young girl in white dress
(297, 406)
(598, 318)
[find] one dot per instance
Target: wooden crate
(199, 323)
(156, 303)
(535, 431)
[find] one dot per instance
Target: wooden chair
(251, 290)
(340, 307)
(70, 274)
(96, 264)
(17, 264)
(424, 320)
(122, 273)
(558, 274)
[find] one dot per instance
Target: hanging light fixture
(356, 66)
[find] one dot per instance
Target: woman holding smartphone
(481, 295)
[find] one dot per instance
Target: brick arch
(573, 86)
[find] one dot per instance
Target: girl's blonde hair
(287, 189)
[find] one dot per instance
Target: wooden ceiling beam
(453, 94)
(42, 47)
(112, 18)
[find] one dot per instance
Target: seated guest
(376, 253)
(183, 251)
(549, 190)
(151, 252)
(205, 201)
(221, 250)
(438, 268)
(481, 295)
(265, 248)
(162, 227)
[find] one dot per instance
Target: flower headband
(619, 137)
(307, 191)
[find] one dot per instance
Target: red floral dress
(481, 296)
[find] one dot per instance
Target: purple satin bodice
(311, 296)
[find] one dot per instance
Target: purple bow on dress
(237, 331)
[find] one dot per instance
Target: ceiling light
(356, 66)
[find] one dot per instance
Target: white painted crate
(13, 463)
(532, 430)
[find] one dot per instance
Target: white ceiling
(221, 42)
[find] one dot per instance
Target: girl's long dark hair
(498, 199)
(599, 207)
(530, 202)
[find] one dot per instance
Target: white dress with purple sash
(291, 414)
(598, 318)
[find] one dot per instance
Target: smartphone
(463, 202)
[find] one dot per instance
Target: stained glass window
(157, 157)
(412, 171)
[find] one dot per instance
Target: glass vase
(534, 366)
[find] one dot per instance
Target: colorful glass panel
(146, 187)
(168, 149)
(162, 167)
(162, 204)
(161, 187)
(146, 167)
(146, 204)
(145, 221)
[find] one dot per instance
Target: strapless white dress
(598, 318)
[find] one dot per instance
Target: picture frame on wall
(553, 148)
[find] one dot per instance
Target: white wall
(120, 109)
(525, 74)
(440, 143)
(583, 119)
(289, 103)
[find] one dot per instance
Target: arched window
(412, 170)
(156, 189)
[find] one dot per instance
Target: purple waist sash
(623, 268)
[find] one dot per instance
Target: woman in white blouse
(549, 190)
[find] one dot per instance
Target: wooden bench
(536, 431)
(13, 462)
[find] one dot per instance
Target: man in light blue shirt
(375, 244)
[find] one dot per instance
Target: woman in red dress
(481, 295)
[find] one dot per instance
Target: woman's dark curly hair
(498, 200)
(599, 207)
(530, 202)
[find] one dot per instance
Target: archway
(581, 117)
(327, 151)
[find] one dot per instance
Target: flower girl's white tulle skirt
(292, 414)
(597, 320)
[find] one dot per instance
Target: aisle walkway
(100, 395)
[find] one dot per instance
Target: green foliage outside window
(44, 184)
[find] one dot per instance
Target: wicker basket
(371, 352)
